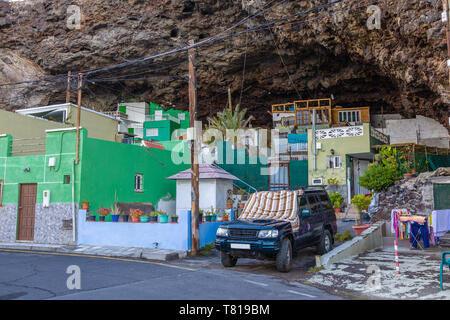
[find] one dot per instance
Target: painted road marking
(257, 283)
(98, 257)
(302, 294)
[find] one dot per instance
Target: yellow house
(342, 154)
(28, 126)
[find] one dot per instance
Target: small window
(66, 179)
(333, 162)
(1, 192)
(152, 132)
(139, 183)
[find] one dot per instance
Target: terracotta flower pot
(337, 210)
(134, 219)
(229, 205)
(85, 206)
(359, 229)
(225, 218)
(408, 175)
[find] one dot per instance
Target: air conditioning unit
(317, 181)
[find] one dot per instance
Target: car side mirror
(305, 213)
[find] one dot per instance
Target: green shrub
(382, 174)
(378, 177)
(336, 199)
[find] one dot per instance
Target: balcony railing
(116, 114)
(162, 117)
(379, 135)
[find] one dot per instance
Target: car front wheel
(228, 260)
(284, 256)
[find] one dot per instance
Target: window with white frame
(138, 182)
(153, 132)
(349, 116)
(333, 162)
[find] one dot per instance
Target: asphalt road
(43, 276)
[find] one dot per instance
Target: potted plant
(92, 217)
(336, 200)
(361, 202)
(135, 214)
(200, 216)
(213, 216)
(173, 218)
(153, 217)
(230, 203)
(143, 217)
(225, 216)
(163, 217)
(208, 216)
(85, 204)
(115, 213)
(102, 212)
(124, 215)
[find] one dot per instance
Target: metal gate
(279, 177)
(441, 193)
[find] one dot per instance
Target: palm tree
(229, 120)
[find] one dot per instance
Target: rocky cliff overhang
(398, 68)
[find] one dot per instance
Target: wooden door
(27, 205)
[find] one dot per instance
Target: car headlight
(271, 233)
(222, 232)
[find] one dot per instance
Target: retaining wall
(370, 239)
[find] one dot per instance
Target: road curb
(138, 253)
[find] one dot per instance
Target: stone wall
(415, 194)
(48, 224)
(8, 222)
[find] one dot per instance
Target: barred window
(138, 182)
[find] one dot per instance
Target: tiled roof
(207, 171)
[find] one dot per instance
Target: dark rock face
(400, 67)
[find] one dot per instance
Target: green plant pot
(208, 218)
(143, 219)
(213, 218)
(163, 219)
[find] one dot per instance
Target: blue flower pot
(115, 217)
(143, 219)
(163, 219)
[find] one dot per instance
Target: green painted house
(40, 194)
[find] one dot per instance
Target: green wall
(298, 173)
(110, 168)
(165, 129)
(59, 145)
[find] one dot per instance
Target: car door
(327, 208)
(304, 233)
(316, 218)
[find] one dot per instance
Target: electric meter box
(46, 198)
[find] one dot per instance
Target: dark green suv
(276, 239)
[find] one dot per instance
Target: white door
(359, 167)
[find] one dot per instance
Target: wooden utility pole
(446, 13)
(195, 234)
(68, 87)
(77, 152)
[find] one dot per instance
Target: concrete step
(108, 251)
